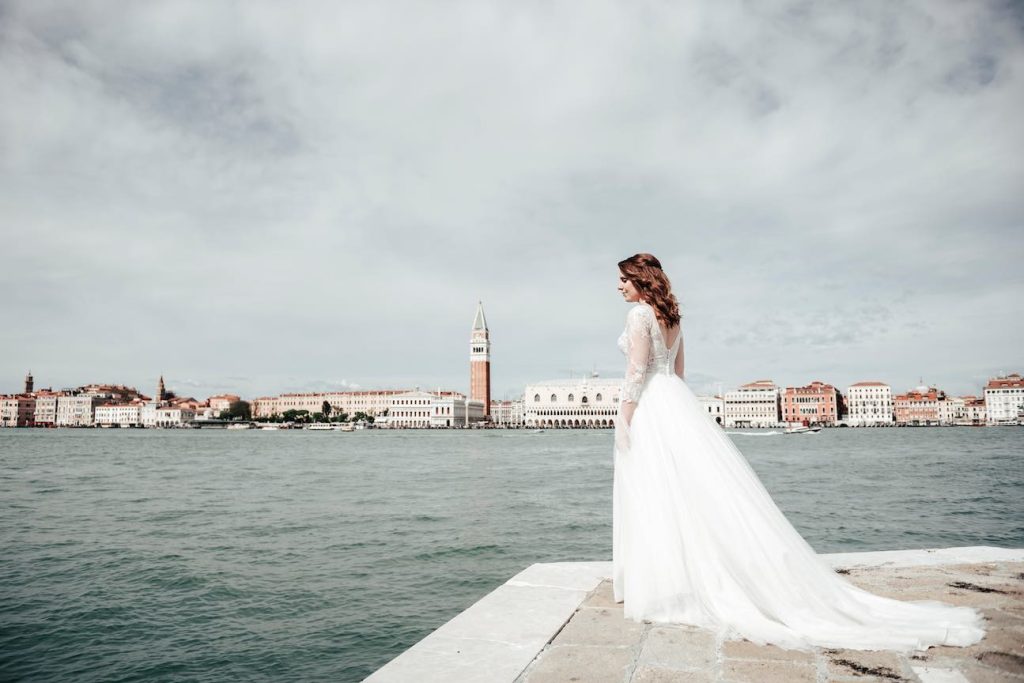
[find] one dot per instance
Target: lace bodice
(645, 350)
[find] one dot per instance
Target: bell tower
(480, 360)
(160, 391)
(29, 383)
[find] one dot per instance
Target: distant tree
(296, 415)
(326, 409)
(318, 417)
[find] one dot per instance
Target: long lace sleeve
(638, 336)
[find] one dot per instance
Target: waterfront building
(869, 404)
(507, 413)
(422, 409)
(971, 412)
(950, 409)
(372, 402)
(480, 360)
(919, 407)
(119, 414)
(18, 410)
(174, 416)
(714, 406)
(572, 403)
(1004, 400)
(46, 408)
(816, 403)
(757, 404)
(221, 402)
(264, 407)
(77, 410)
(147, 413)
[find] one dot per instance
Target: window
(553, 398)
(536, 398)
(571, 398)
(598, 397)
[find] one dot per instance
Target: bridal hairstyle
(644, 271)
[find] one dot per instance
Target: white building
(586, 402)
(758, 404)
(46, 409)
(76, 411)
(118, 415)
(1004, 400)
(174, 416)
(972, 412)
(507, 413)
(869, 404)
(423, 409)
(714, 406)
(951, 409)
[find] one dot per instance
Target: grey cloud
(323, 191)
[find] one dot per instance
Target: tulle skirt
(698, 540)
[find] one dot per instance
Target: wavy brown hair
(644, 271)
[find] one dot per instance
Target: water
(210, 555)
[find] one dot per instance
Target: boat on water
(269, 428)
(538, 431)
(346, 427)
(803, 429)
(244, 425)
(321, 427)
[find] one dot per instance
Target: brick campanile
(480, 360)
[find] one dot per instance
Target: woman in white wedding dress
(696, 537)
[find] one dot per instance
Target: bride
(696, 537)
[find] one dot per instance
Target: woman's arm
(680, 361)
(638, 331)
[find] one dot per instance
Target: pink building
(816, 403)
(222, 402)
(919, 407)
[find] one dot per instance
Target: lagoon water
(210, 555)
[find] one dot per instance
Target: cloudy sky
(268, 197)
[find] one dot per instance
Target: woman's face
(628, 289)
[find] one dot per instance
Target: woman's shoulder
(641, 311)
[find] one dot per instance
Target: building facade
(919, 407)
(480, 360)
(817, 403)
(222, 402)
(590, 402)
(972, 412)
(46, 409)
(714, 406)
(18, 410)
(118, 415)
(869, 404)
(431, 409)
(1004, 400)
(76, 410)
(507, 413)
(757, 404)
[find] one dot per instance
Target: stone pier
(558, 622)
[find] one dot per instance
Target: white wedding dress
(698, 540)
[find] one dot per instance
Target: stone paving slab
(558, 622)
